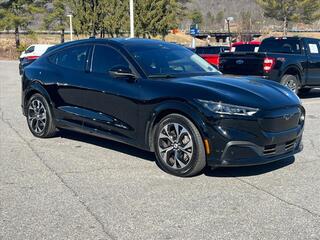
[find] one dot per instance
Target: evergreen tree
(17, 14)
(309, 10)
(56, 18)
(288, 10)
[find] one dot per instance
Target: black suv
(163, 98)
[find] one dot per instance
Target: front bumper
(244, 142)
(241, 153)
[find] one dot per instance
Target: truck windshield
(281, 46)
(170, 61)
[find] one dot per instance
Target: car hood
(244, 91)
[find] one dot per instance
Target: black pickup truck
(292, 61)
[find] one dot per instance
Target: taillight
(32, 57)
(268, 64)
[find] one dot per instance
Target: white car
(30, 54)
(35, 50)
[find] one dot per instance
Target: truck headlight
(228, 109)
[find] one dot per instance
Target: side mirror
(122, 72)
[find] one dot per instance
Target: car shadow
(314, 93)
(108, 144)
(249, 170)
(145, 155)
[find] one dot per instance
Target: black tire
(291, 82)
(194, 159)
(304, 91)
(45, 128)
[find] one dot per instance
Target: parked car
(30, 54)
(163, 98)
(211, 53)
(293, 62)
(252, 46)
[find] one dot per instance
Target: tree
(56, 18)
(309, 10)
(196, 17)
(290, 10)
(17, 14)
(156, 17)
(220, 18)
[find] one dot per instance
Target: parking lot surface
(78, 187)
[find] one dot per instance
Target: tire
(291, 82)
(184, 156)
(303, 91)
(39, 117)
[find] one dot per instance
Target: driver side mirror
(122, 72)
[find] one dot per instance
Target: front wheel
(291, 82)
(179, 147)
(39, 117)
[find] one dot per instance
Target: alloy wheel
(292, 85)
(175, 145)
(37, 116)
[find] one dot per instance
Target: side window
(105, 58)
(29, 49)
(73, 58)
(313, 47)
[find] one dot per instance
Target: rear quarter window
(72, 58)
(290, 46)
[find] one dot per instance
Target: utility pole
(131, 19)
(70, 18)
(229, 19)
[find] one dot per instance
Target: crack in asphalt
(277, 197)
(54, 172)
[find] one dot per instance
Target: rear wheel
(179, 147)
(291, 82)
(39, 117)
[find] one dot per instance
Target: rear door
(313, 53)
(68, 75)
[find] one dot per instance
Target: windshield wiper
(161, 76)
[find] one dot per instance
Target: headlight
(222, 108)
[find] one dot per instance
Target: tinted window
(169, 59)
(29, 49)
(208, 50)
(281, 46)
(74, 57)
(105, 58)
(246, 48)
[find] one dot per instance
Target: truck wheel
(291, 82)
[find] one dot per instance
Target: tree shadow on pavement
(108, 144)
(249, 170)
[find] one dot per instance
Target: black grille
(282, 123)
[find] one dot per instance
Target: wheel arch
(174, 108)
(33, 89)
(295, 71)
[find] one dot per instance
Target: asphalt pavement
(75, 186)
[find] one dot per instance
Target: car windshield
(168, 60)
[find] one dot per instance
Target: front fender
(169, 107)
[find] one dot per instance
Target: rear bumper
(243, 153)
